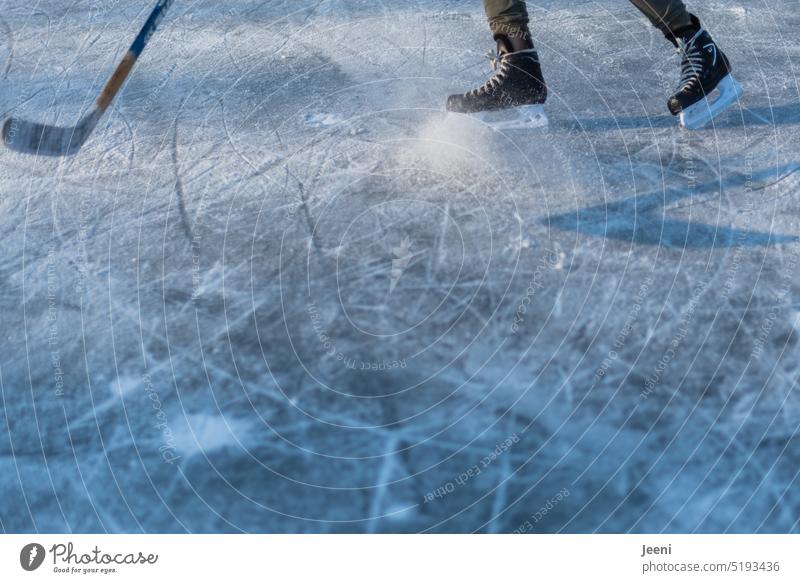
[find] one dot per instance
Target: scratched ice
(280, 290)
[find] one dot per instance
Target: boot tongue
(687, 33)
(691, 40)
(504, 45)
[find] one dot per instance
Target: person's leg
(704, 67)
(507, 17)
(517, 83)
(669, 16)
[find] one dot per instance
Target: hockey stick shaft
(126, 65)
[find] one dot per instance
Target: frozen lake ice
(280, 290)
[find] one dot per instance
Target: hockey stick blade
(44, 140)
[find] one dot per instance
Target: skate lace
(500, 66)
(692, 62)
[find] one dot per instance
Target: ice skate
(707, 87)
(513, 98)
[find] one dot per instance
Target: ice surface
(280, 290)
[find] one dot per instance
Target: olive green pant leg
(667, 15)
(506, 15)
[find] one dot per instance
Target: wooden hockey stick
(35, 138)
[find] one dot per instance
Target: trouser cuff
(689, 25)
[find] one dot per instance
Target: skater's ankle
(513, 37)
(684, 30)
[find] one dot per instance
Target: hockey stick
(46, 140)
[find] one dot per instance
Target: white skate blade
(514, 118)
(697, 115)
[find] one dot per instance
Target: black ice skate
(514, 97)
(704, 68)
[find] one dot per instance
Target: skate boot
(704, 68)
(513, 98)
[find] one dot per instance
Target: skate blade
(515, 118)
(696, 116)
